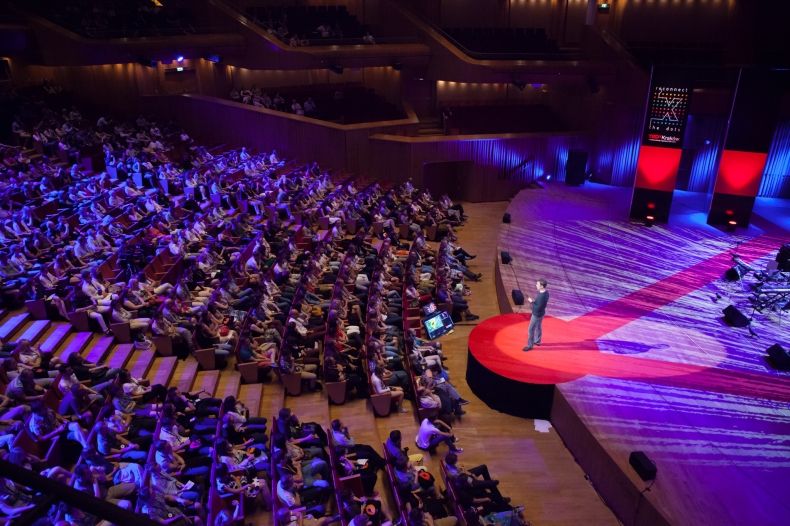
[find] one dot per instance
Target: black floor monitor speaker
(505, 255)
(779, 357)
(734, 317)
(506, 217)
(518, 296)
(732, 274)
(576, 168)
(644, 467)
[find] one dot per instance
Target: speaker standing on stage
(539, 302)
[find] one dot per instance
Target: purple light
(180, 58)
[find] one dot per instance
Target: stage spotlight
(650, 220)
(180, 58)
(179, 69)
(604, 7)
(731, 224)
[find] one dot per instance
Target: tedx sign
(666, 116)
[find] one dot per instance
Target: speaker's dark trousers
(535, 330)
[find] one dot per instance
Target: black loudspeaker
(518, 296)
(576, 168)
(725, 208)
(644, 467)
(506, 259)
(734, 318)
(783, 258)
(779, 357)
(732, 274)
(656, 203)
(506, 217)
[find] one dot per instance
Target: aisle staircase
(62, 340)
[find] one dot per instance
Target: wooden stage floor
(635, 340)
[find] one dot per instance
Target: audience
(119, 18)
(224, 253)
(345, 104)
(311, 25)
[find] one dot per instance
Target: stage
(636, 354)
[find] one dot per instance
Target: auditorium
(394, 262)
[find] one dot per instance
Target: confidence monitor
(438, 325)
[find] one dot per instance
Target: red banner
(657, 168)
(740, 173)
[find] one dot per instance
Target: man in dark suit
(539, 302)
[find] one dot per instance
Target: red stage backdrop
(657, 168)
(753, 119)
(740, 173)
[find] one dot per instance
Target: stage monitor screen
(666, 119)
(438, 325)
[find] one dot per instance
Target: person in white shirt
(152, 206)
(176, 246)
(309, 105)
(396, 393)
(94, 290)
(121, 315)
(429, 436)
(296, 107)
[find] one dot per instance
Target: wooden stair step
(33, 331)
(97, 352)
(59, 331)
(311, 407)
(206, 381)
(162, 370)
(228, 384)
(73, 344)
(273, 400)
(184, 375)
(250, 395)
(119, 356)
(12, 324)
(139, 363)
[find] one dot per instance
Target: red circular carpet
(569, 351)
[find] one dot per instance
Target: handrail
(617, 45)
(72, 35)
(73, 497)
(505, 55)
(471, 137)
(461, 52)
(250, 24)
(411, 117)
